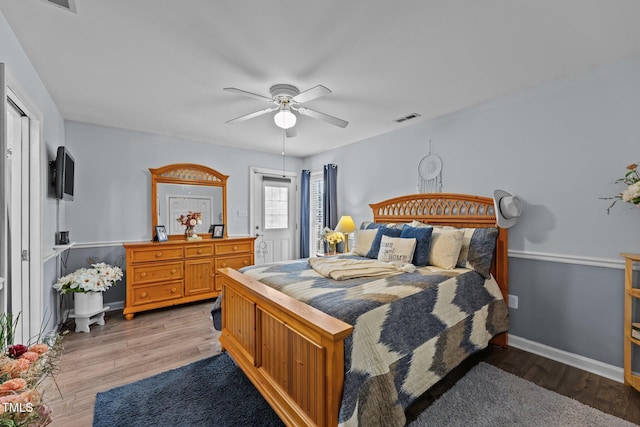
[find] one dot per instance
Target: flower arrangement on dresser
(189, 221)
(331, 238)
(23, 369)
(631, 194)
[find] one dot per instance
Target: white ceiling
(160, 66)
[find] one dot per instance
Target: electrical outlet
(513, 301)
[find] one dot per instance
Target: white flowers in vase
(98, 278)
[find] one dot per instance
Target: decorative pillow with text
(375, 245)
(396, 249)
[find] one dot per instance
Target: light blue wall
(25, 80)
(113, 191)
(559, 147)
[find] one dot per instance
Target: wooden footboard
(291, 352)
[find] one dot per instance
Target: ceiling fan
(288, 98)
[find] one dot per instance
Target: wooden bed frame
(293, 353)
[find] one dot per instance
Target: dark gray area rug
(209, 392)
(488, 396)
(215, 392)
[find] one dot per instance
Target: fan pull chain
(284, 132)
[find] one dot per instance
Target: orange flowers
(31, 356)
(12, 385)
(19, 367)
(39, 348)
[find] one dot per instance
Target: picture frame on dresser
(218, 231)
(161, 233)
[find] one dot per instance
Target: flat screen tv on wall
(64, 174)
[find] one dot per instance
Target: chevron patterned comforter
(410, 330)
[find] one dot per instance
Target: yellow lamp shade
(346, 225)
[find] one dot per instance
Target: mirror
(182, 187)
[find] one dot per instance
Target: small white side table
(83, 321)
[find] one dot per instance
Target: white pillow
(445, 247)
(397, 249)
(362, 241)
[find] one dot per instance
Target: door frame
(253, 171)
(32, 315)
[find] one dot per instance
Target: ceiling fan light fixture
(285, 119)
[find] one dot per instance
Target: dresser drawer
(228, 248)
(192, 251)
(234, 262)
(155, 293)
(155, 272)
(156, 254)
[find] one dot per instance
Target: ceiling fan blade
(310, 94)
(249, 94)
(250, 115)
(322, 116)
(291, 132)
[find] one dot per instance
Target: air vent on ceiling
(69, 5)
(409, 117)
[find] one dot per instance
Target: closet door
(16, 224)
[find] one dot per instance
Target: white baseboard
(115, 305)
(586, 364)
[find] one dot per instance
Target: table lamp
(346, 226)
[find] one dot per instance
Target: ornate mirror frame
(186, 174)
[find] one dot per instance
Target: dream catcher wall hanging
(430, 173)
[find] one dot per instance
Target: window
(276, 205)
(316, 212)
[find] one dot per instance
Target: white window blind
(316, 214)
(276, 204)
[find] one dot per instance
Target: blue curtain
(305, 206)
(330, 199)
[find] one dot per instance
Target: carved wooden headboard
(456, 210)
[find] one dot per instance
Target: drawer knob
(143, 295)
(245, 262)
(173, 271)
(235, 248)
(143, 274)
(199, 251)
(173, 290)
(224, 264)
(159, 254)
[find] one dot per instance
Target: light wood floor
(123, 351)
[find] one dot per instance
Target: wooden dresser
(162, 274)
